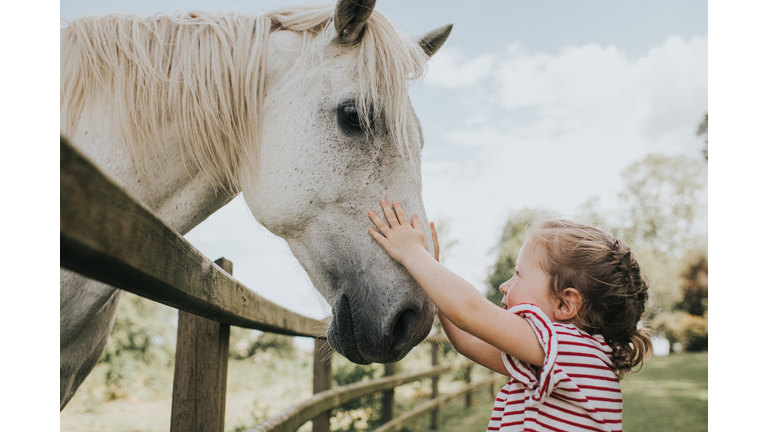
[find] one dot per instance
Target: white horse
(305, 110)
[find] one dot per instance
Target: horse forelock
(202, 74)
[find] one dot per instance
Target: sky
(528, 104)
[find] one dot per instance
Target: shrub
(361, 414)
(690, 331)
(245, 343)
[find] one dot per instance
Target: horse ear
(432, 41)
(350, 17)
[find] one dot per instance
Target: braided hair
(614, 290)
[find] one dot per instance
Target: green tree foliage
(512, 239)
(360, 414)
(704, 130)
(687, 321)
(690, 331)
(665, 211)
(662, 215)
(142, 346)
(695, 284)
(143, 340)
(245, 343)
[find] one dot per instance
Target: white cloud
(451, 69)
(523, 129)
(574, 120)
(590, 85)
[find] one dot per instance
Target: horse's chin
(346, 346)
(363, 346)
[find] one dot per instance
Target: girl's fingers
(401, 217)
(434, 241)
(380, 224)
(417, 224)
(390, 215)
(379, 238)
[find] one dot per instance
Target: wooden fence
(109, 236)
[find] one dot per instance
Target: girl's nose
(504, 287)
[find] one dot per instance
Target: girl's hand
(434, 241)
(398, 237)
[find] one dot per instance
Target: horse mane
(201, 76)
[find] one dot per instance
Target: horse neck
(170, 184)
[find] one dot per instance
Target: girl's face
(530, 284)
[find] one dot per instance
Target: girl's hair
(614, 291)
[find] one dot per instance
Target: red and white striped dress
(575, 390)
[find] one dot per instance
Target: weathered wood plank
(434, 421)
(109, 236)
(401, 421)
(200, 372)
(290, 419)
(439, 338)
(388, 396)
(468, 379)
(321, 381)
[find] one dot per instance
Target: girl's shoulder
(569, 334)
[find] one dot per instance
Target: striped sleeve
(538, 385)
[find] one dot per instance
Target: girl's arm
(454, 297)
(471, 347)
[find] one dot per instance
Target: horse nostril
(403, 329)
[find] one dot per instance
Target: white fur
(303, 177)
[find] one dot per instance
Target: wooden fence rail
(402, 420)
(109, 236)
(293, 417)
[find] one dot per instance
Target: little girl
(566, 334)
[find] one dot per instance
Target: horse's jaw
(364, 347)
(379, 312)
(371, 326)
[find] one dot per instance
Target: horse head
(338, 134)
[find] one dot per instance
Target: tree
(245, 343)
(665, 211)
(704, 130)
(662, 217)
(695, 284)
(142, 343)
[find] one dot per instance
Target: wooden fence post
(435, 415)
(321, 381)
(388, 396)
(469, 380)
(200, 372)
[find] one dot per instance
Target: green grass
(257, 389)
(667, 394)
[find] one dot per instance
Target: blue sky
(529, 104)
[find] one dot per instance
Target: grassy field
(257, 388)
(669, 394)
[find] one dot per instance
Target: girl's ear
(568, 304)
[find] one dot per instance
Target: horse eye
(349, 114)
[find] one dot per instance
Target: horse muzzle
(381, 332)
